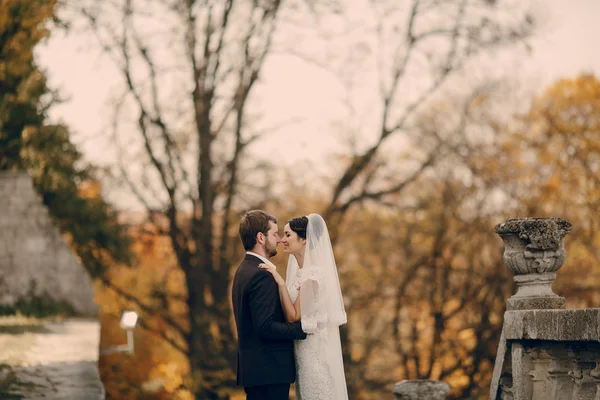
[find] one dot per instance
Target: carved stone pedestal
(421, 389)
(533, 251)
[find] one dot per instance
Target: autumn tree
(28, 141)
(414, 52)
(427, 289)
(188, 70)
(424, 273)
(556, 147)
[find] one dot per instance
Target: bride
(313, 296)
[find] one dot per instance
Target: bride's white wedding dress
(319, 363)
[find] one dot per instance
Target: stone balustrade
(545, 351)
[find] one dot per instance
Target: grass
(8, 378)
(18, 324)
(37, 307)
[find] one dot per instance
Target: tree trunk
(211, 343)
(209, 364)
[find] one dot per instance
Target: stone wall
(35, 260)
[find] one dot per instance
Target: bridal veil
(321, 301)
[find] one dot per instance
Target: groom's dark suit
(265, 364)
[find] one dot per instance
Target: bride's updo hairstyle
(299, 225)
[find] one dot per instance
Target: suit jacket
(265, 338)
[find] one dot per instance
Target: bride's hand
(271, 269)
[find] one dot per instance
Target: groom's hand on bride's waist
(298, 327)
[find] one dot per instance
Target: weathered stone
(545, 352)
(498, 371)
(535, 303)
(421, 389)
(557, 325)
(35, 260)
(533, 251)
(538, 233)
(534, 245)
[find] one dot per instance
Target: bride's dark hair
(299, 225)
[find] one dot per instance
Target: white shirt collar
(260, 257)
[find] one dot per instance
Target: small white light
(129, 319)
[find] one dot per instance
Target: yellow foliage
(27, 18)
(91, 189)
(159, 284)
(562, 174)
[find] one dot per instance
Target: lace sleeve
(313, 312)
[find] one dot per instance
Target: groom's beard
(271, 251)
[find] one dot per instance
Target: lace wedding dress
(319, 362)
(313, 376)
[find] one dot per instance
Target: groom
(265, 364)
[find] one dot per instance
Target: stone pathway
(49, 360)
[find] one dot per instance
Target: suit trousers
(268, 392)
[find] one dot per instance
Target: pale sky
(565, 45)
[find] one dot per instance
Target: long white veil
(324, 308)
(320, 266)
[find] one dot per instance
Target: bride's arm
(291, 310)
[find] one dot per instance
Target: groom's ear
(260, 238)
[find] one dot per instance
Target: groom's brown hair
(253, 222)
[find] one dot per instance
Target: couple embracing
(288, 330)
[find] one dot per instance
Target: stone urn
(533, 251)
(421, 389)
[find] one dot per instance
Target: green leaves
(45, 151)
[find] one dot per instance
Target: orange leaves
(30, 17)
(554, 182)
(572, 106)
(561, 132)
(156, 370)
(91, 189)
(172, 374)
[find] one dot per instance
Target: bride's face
(292, 243)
